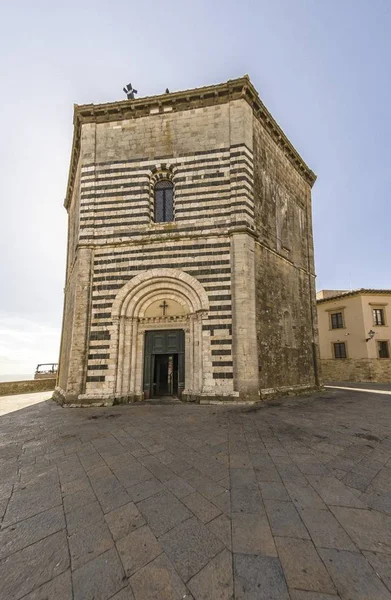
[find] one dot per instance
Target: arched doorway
(146, 312)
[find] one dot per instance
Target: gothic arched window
(164, 201)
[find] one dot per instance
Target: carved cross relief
(164, 307)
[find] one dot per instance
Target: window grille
(164, 201)
(336, 321)
(383, 349)
(378, 316)
(340, 350)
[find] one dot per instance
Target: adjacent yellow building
(355, 334)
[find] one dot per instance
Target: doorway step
(163, 400)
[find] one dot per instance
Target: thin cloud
(24, 344)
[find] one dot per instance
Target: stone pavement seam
(6, 506)
(69, 557)
(230, 515)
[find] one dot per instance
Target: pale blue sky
(322, 67)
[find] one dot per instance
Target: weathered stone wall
(207, 259)
(11, 388)
(73, 224)
(71, 275)
(350, 369)
(285, 292)
(254, 262)
(207, 154)
(380, 369)
(67, 328)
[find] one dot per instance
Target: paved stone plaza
(170, 502)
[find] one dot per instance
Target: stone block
(325, 530)
(303, 595)
(284, 520)
(31, 530)
(381, 564)
(221, 527)
(25, 503)
(124, 520)
(86, 544)
(100, 578)
(333, 491)
(302, 566)
(179, 487)
(158, 580)
(137, 549)
(162, 511)
(369, 529)
(259, 577)
(353, 576)
(190, 546)
(274, 490)
(145, 489)
(110, 493)
(23, 571)
(208, 488)
(251, 534)
(246, 500)
(59, 587)
(243, 478)
(83, 497)
(84, 516)
(132, 474)
(215, 580)
(223, 502)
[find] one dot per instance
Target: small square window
(383, 349)
(337, 320)
(378, 316)
(339, 350)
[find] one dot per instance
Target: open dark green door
(165, 342)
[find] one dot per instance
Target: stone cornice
(183, 100)
(275, 131)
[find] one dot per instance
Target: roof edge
(214, 94)
(354, 293)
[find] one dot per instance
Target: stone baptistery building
(190, 268)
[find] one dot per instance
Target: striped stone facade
(121, 263)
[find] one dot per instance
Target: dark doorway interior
(165, 375)
(164, 363)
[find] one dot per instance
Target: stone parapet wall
(350, 369)
(11, 388)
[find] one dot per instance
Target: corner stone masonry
(217, 303)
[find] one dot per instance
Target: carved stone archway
(130, 324)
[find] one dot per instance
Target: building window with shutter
(339, 350)
(164, 201)
(378, 316)
(383, 349)
(337, 320)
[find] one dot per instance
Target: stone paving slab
(353, 575)
(287, 501)
(9, 404)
